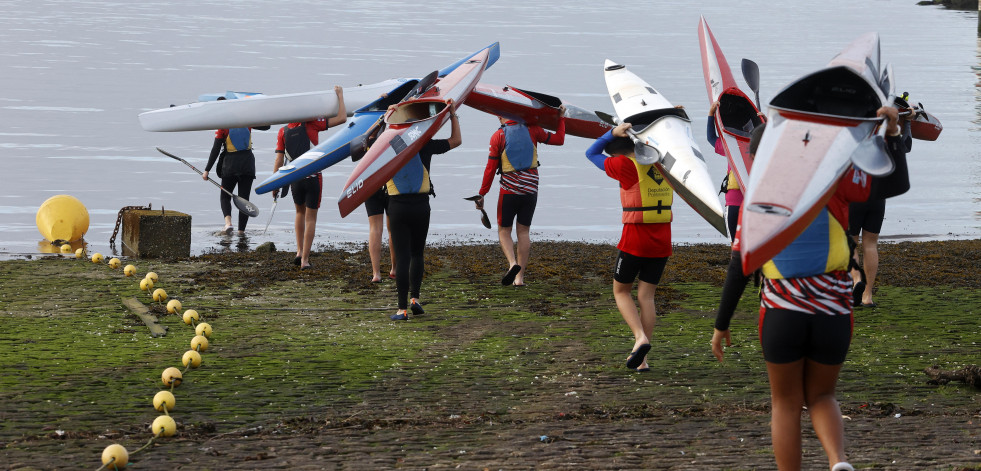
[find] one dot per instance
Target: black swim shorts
(788, 336)
(629, 267)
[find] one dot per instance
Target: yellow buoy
(173, 376)
(191, 357)
(115, 457)
(152, 276)
(174, 306)
(164, 426)
(162, 399)
(62, 217)
(129, 270)
(199, 343)
(114, 263)
(190, 316)
(159, 295)
(66, 248)
(146, 284)
(204, 329)
(97, 257)
(80, 253)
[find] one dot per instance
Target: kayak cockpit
(738, 114)
(411, 112)
(641, 121)
(836, 91)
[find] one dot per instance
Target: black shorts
(866, 216)
(377, 203)
(788, 336)
(307, 191)
(629, 267)
(510, 205)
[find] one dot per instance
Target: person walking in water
(645, 243)
(232, 149)
(294, 140)
(514, 154)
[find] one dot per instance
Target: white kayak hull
(669, 131)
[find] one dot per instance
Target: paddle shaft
(242, 204)
(271, 212)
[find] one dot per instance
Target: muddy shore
(305, 371)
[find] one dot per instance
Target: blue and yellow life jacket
(649, 200)
(821, 248)
(520, 152)
(413, 178)
(238, 139)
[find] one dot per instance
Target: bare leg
(856, 275)
(374, 244)
(819, 395)
(625, 303)
(787, 397)
(648, 315)
(309, 229)
(298, 228)
(507, 244)
(870, 256)
(524, 251)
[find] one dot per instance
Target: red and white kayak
(815, 125)
(404, 135)
(536, 109)
(661, 126)
(736, 115)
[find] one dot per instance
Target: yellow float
(62, 218)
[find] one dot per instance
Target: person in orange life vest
(409, 213)
(514, 154)
(805, 322)
(645, 243)
(232, 149)
(293, 140)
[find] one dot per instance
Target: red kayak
(405, 133)
(736, 115)
(536, 109)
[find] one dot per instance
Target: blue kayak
(339, 145)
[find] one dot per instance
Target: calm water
(75, 75)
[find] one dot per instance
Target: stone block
(151, 233)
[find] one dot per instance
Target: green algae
(291, 345)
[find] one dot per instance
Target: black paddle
(751, 72)
(483, 214)
(242, 204)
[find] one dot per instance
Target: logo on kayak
(413, 134)
(354, 188)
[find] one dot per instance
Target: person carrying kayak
(294, 140)
(805, 322)
(645, 243)
(514, 154)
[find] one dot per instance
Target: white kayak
(666, 129)
(818, 126)
(262, 110)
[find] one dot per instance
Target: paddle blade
(645, 154)
(245, 206)
(484, 219)
(871, 157)
(751, 73)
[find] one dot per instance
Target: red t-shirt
(313, 132)
(638, 239)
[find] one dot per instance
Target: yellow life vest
(649, 200)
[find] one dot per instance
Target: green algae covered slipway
(305, 370)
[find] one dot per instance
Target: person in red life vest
(232, 149)
(805, 322)
(645, 243)
(514, 154)
(409, 213)
(295, 139)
